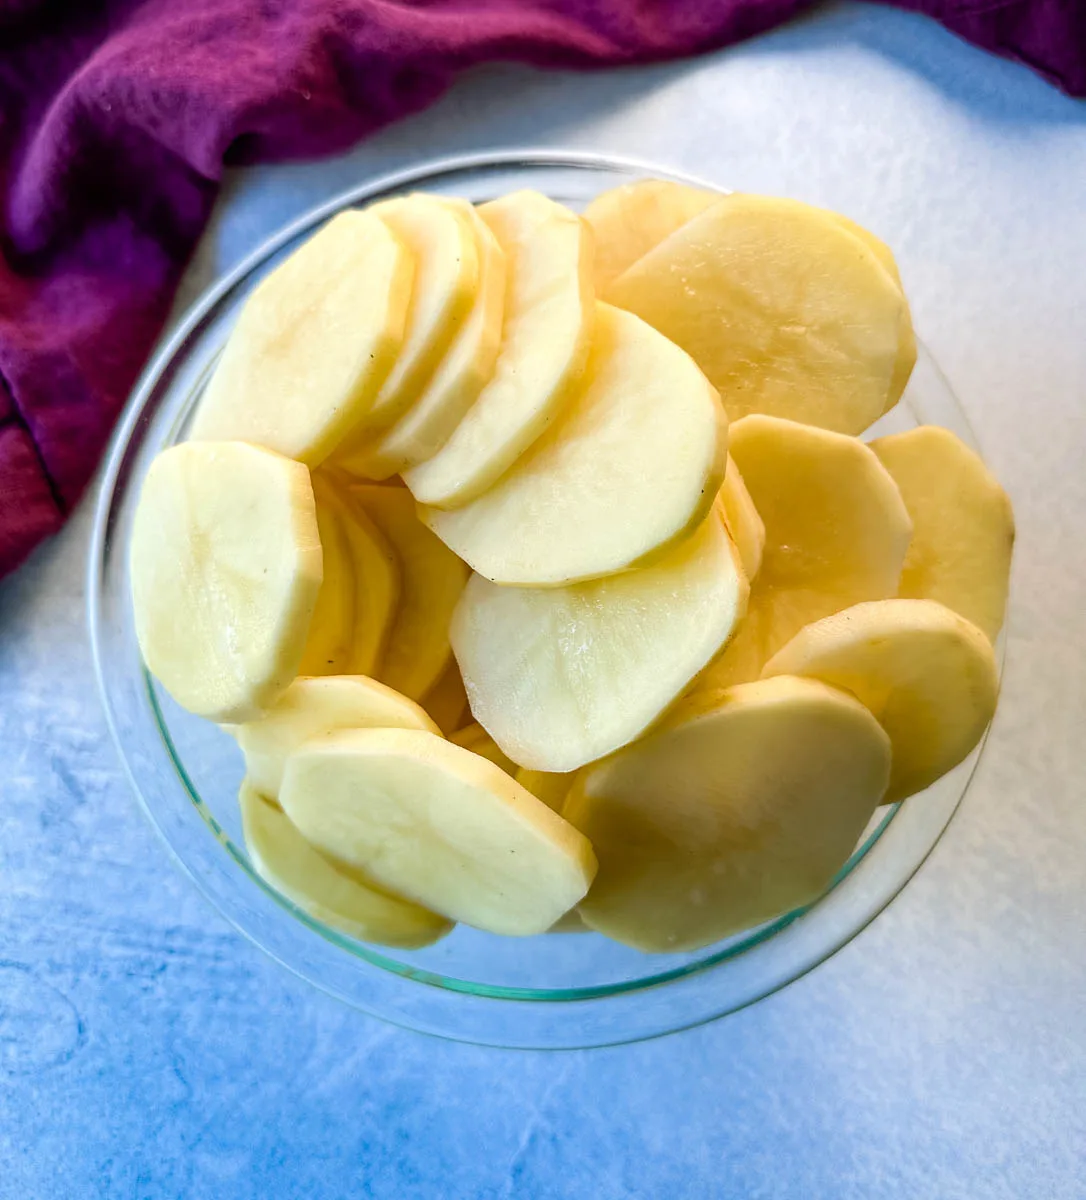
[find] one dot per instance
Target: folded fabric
(116, 117)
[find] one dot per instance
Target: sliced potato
(330, 644)
(631, 466)
(439, 824)
(447, 702)
(431, 579)
(561, 676)
(475, 738)
(375, 571)
(225, 563)
(629, 220)
(460, 376)
(314, 343)
(963, 524)
(784, 309)
(552, 789)
(744, 524)
(330, 894)
(314, 706)
(928, 675)
(546, 334)
(836, 528)
(740, 808)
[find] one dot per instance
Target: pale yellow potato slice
(314, 343)
(561, 676)
(784, 309)
(330, 643)
(552, 789)
(546, 333)
(456, 382)
(447, 702)
(744, 524)
(225, 566)
(475, 738)
(928, 675)
(629, 220)
(741, 807)
(314, 706)
(329, 893)
(630, 467)
(431, 580)
(836, 528)
(442, 242)
(375, 571)
(440, 825)
(963, 524)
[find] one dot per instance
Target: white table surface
(148, 1051)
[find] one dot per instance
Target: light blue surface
(147, 1051)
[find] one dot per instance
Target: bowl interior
(186, 771)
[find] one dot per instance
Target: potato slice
(330, 644)
(561, 676)
(629, 220)
(458, 379)
(740, 808)
(314, 343)
(836, 534)
(928, 675)
(447, 702)
(442, 241)
(744, 524)
(551, 788)
(784, 309)
(546, 334)
(314, 706)
(375, 574)
(963, 524)
(475, 738)
(439, 824)
(432, 578)
(630, 467)
(225, 563)
(335, 896)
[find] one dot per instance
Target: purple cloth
(116, 117)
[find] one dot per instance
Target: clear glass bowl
(554, 991)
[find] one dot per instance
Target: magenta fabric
(116, 117)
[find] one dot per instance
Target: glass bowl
(553, 991)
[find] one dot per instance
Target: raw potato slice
(628, 221)
(545, 340)
(338, 898)
(442, 243)
(447, 702)
(436, 823)
(631, 466)
(330, 643)
(431, 577)
(375, 572)
(550, 788)
(225, 562)
(963, 524)
(836, 528)
(561, 676)
(313, 343)
(314, 706)
(459, 378)
(928, 676)
(744, 524)
(784, 309)
(741, 807)
(476, 739)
